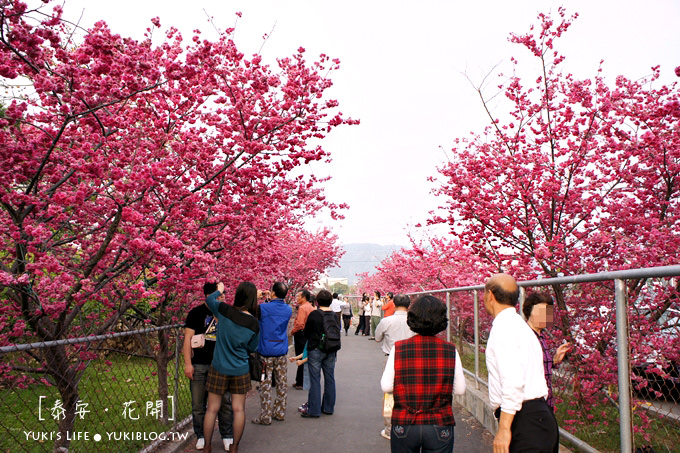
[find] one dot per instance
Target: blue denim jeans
(321, 361)
(305, 377)
(425, 438)
(199, 397)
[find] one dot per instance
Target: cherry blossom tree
(431, 264)
(579, 176)
(131, 172)
(302, 257)
(427, 264)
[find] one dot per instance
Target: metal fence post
(475, 297)
(178, 357)
(623, 365)
(448, 316)
(623, 353)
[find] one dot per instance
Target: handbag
(255, 365)
(198, 341)
(388, 404)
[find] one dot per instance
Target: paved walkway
(355, 426)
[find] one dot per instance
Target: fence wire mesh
(114, 392)
(585, 384)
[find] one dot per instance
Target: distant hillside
(360, 258)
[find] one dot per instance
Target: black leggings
(346, 319)
(360, 327)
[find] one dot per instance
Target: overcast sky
(402, 66)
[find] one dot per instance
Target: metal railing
(121, 404)
(623, 358)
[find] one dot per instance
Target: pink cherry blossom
(132, 173)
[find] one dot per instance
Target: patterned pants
(276, 408)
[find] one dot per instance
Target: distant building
(327, 282)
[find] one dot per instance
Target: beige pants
(387, 418)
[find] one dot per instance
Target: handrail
(646, 272)
(623, 359)
(47, 344)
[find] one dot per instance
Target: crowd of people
(220, 341)
(421, 371)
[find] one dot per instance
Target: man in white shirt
(390, 330)
(394, 328)
(336, 305)
(517, 387)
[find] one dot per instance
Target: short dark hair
(335, 295)
(535, 298)
(364, 298)
(280, 290)
(377, 293)
(502, 296)
(390, 295)
(427, 316)
(401, 300)
(306, 295)
(209, 288)
(246, 297)
(324, 298)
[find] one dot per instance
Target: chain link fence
(116, 392)
(596, 397)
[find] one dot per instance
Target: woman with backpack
(322, 331)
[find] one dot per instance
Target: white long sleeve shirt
(387, 380)
(514, 360)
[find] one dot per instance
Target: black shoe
(306, 414)
(327, 413)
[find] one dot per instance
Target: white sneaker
(385, 434)
(227, 443)
(200, 443)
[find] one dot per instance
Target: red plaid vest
(423, 381)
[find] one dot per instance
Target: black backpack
(330, 338)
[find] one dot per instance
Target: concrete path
(354, 427)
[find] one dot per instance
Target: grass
(106, 389)
(467, 358)
(600, 426)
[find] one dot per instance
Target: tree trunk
(67, 379)
(562, 304)
(162, 363)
